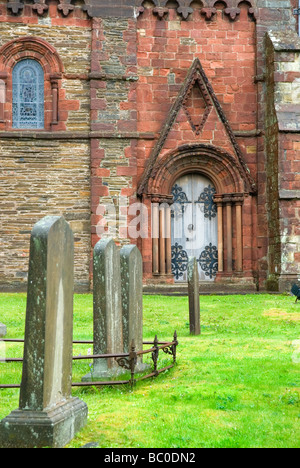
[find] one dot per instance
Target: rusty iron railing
(127, 361)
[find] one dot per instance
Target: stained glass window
(28, 95)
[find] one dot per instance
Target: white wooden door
(194, 227)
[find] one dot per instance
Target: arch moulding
(30, 47)
(218, 165)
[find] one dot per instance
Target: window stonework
(28, 95)
(30, 78)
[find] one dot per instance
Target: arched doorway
(194, 227)
(201, 173)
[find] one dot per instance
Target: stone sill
(289, 194)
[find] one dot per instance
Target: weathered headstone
(107, 309)
(3, 330)
(194, 300)
(47, 414)
(132, 300)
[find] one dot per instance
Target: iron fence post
(155, 354)
(174, 347)
(132, 363)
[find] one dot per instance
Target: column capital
(238, 198)
(218, 199)
(3, 76)
(227, 199)
(160, 198)
(54, 79)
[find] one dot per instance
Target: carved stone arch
(45, 54)
(217, 164)
(31, 47)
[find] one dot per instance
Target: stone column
(155, 238)
(168, 239)
(193, 292)
(218, 201)
(239, 230)
(47, 414)
(3, 83)
(161, 234)
(162, 241)
(228, 204)
(54, 88)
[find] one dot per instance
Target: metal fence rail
(127, 361)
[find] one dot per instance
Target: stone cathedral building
(171, 124)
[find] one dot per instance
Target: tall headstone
(132, 299)
(3, 330)
(47, 414)
(108, 337)
(194, 299)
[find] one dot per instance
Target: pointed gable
(196, 116)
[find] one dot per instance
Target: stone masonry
(283, 143)
(113, 71)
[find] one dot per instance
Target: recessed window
(28, 95)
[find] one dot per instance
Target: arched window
(30, 82)
(28, 95)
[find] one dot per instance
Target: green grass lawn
(236, 385)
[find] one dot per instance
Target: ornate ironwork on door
(207, 199)
(179, 260)
(208, 260)
(179, 201)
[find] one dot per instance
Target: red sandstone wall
(227, 51)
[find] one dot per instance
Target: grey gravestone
(132, 300)
(194, 300)
(107, 309)
(2, 330)
(47, 414)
